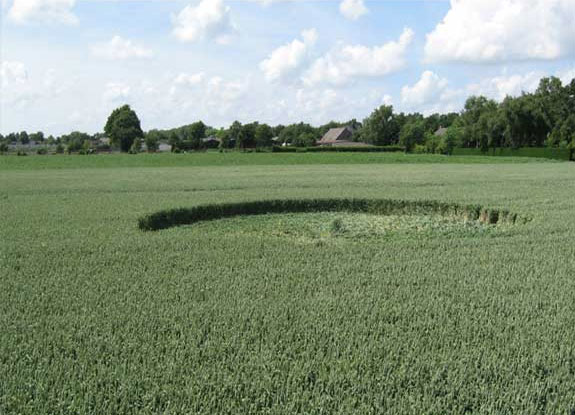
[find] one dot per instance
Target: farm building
(211, 142)
(441, 131)
(338, 137)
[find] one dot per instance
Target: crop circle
(467, 214)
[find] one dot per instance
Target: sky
(66, 64)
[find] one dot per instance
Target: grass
(35, 162)
(249, 315)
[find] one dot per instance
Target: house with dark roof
(441, 132)
(338, 137)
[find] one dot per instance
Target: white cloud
(119, 48)
(288, 59)
(428, 89)
(499, 87)
(116, 92)
(349, 61)
(352, 9)
(210, 19)
(220, 92)
(50, 11)
(12, 73)
(503, 30)
(432, 93)
(567, 75)
(19, 90)
(387, 100)
(189, 79)
(206, 96)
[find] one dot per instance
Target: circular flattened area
(349, 226)
(337, 218)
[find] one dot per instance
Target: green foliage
(339, 149)
(246, 138)
(75, 141)
(263, 135)
(123, 127)
(3, 148)
(412, 133)
(299, 135)
(152, 139)
(381, 128)
(564, 154)
(136, 146)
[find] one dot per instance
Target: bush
(3, 148)
(42, 151)
(541, 152)
(342, 149)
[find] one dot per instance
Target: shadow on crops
(186, 216)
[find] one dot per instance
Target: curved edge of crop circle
(187, 216)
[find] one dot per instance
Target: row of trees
(545, 117)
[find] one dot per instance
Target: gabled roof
(337, 134)
(441, 132)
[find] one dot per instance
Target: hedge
(343, 149)
(540, 152)
(187, 216)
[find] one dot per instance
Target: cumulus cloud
(119, 48)
(19, 90)
(50, 11)
(288, 59)
(503, 30)
(345, 62)
(432, 93)
(206, 94)
(428, 89)
(352, 9)
(387, 100)
(12, 73)
(189, 79)
(210, 19)
(567, 75)
(116, 92)
(499, 87)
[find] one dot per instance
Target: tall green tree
(381, 127)
(264, 135)
(123, 127)
(411, 134)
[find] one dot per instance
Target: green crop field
(333, 312)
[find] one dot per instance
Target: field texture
(312, 313)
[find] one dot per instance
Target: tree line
(544, 118)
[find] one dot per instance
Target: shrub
(343, 149)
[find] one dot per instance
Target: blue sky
(67, 63)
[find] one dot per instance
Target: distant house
(441, 131)
(338, 137)
(211, 142)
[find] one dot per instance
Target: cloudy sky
(65, 64)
